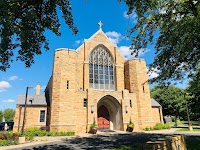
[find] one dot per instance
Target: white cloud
(78, 42)
(114, 36)
(8, 101)
(132, 16)
(125, 50)
(42, 87)
(153, 73)
(13, 78)
(4, 85)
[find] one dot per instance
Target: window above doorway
(101, 69)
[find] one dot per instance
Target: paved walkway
(102, 140)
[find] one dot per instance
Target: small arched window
(101, 69)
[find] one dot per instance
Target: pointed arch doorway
(103, 118)
(109, 113)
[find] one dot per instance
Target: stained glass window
(101, 69)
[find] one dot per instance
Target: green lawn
(186, 129)
(194, 123)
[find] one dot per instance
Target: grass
(186, 129)
(185, 123)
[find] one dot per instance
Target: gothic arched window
(101, 69)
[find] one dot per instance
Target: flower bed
(35, 131)
(10, 138)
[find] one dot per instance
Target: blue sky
(87, 14)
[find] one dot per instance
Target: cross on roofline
(100, 24)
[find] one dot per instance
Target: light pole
(188, 116)
(25, 109)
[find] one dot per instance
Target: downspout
(87, 110)
(20, 109)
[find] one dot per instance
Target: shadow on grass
(107, 141)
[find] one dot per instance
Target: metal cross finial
(100, 24)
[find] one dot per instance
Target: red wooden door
(103, 118)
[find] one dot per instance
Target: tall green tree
(9, 114)
(194, 90)
(1, 114)
(172, 100)
(22, 27)
(174, 26)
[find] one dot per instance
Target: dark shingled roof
(154, 103)
(36, 100)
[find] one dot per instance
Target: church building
(93, 83)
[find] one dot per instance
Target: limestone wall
(32, 117)
(174, 142)
(66, 107)
(157, 114)
(136, 82)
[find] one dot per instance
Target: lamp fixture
(126, 109)
(92, 109)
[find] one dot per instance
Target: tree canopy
(194, 91)
(174, 26)
(22, 27)
(172, 100)
(8, 114)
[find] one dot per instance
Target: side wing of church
(94, 84)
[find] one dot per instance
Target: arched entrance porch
(109, 113)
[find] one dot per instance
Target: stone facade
(32, 117)
(72, 105)
(66, 105)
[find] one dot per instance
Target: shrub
(93, 126)
(43, 128)
(147, 129)
(158, 126)
(35, 131)
(2, 136)
(9, 136)
(131, 125)
(32, 129)
(7, 142)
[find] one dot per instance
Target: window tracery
(101, 69)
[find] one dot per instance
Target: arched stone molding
(115, 111)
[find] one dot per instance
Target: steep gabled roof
(154, 103)
(37, 100)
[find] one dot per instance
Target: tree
(1, 116)
(172, 100)
(9, 114)
(22, 27)
(194, 90)
(175, 26)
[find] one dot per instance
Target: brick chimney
(37, 92)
